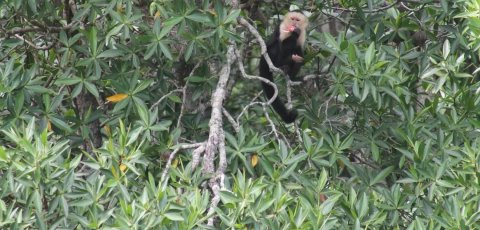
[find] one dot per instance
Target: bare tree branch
(263, 46)
(54, 29)
(33, 45)
(172, 156)
(252, 77)
(232, 121)
(252, 103)
(274, 129)
(196, 155)
(216, 139)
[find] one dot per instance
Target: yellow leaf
(49, 125)
(175, 163)
(157, 14)
(107, 130)
(120, 8)
(211, 11)
(114, 171)
(117, 97)
(123, 167)
(254, 160)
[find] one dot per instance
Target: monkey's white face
(296, 19)
(291, 21)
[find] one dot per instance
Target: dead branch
(232, 121)
(196, 155)
(216, 139)
(263, 46)
(252, 77)
(172, 156)
(33, 45)
(53, 29)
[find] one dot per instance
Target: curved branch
(55, 29)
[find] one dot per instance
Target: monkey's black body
(281, 54)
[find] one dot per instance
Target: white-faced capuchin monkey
(286, 51)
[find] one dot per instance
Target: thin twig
(272, 125)
(163, 97)
(54, 29)
(252, 103)
(33, 45)
(184, 95)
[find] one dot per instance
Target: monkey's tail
(288, 116)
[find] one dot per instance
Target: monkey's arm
(289, 48)
(296, 63)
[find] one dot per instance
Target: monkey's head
(295, 21)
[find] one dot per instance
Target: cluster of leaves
(388, 140)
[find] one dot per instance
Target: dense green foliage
(93, 104)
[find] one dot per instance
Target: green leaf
(174, 216)
(162, 126)
(39, 89)
(142, 86)
(382, 175)
(114, 31)
(296, 158)
(229, 197)
(68, 81)
(199, 17)
(142, 110)
(331, 41)
(168, 25)
(175, 98)
(3, 155)
(356, 88)
(369, 54)
(81, 202)
(196, 79)
(19, 102)
(446, 49)
(110, 53)
(363, 208)
(322, 180)
(91, 88)
(288, 171)
(33, 6)
(429, 73)
(165, 50)
(232, 16)
(328, 205)
(77, 90)
(374, 151)
(189, 51)
(92, 39)
(60, 124)
(133, 135)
